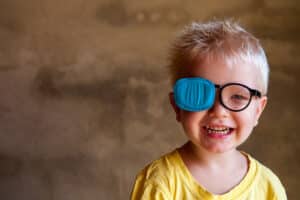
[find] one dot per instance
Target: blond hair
(216, 39)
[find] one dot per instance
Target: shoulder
(157, 177)
(161, 168)
(268, 181)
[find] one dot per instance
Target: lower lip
(218, 136)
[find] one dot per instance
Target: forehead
(220, 72)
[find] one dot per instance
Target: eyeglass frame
(253, 92)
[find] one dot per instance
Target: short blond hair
(224, 39)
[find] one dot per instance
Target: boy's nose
(218, 110)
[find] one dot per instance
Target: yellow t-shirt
(168, 178)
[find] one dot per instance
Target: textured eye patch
(194, 94)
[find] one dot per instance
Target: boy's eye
(239, 97)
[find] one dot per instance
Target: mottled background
(84, 89)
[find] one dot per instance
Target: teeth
(217, 130)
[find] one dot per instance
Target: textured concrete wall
(83, 87)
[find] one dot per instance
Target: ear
(175, 107)
(260, 108)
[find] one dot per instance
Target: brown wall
(83, 87)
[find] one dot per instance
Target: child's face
(219, 129)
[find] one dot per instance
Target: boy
(220, 77)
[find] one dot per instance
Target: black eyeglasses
(236, 96)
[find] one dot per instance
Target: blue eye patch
(194, 94)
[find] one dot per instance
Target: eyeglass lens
(235, 97)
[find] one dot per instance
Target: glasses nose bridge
(218, 90)
(217, 104)
(217, 86)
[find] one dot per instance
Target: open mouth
(218, 131)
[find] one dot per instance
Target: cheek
(248, 118)
(191, 120)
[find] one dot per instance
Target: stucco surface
(84, 92)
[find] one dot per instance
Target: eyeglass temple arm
(255, 93)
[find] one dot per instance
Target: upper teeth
(217, 130)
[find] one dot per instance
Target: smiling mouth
(218, 130)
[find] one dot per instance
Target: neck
(201, 157)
